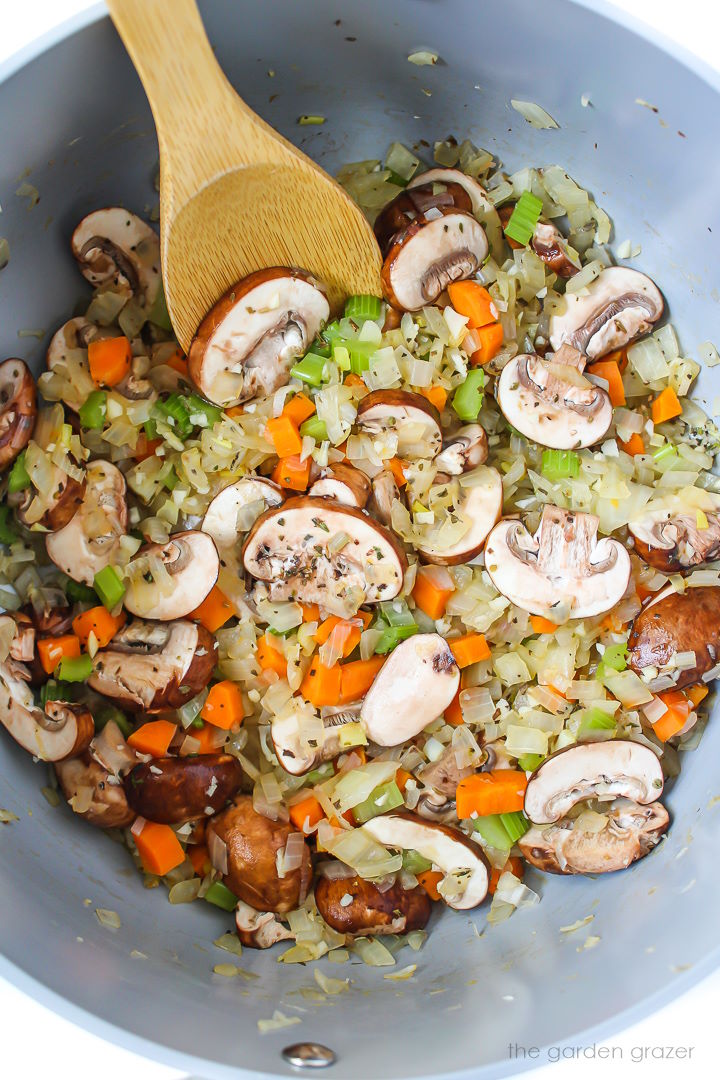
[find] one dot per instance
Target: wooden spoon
(234, 195)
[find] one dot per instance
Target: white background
(38, 1043)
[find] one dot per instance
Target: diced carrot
(284, 435)
(145, 448)
(352, 639)
(153, 738)
(541, 625)
(354, 380)
(207, 736)
(321, 685)
(395, 465)
(453, 713)
(308, 809)
(436, 395)
(473, 300)
(178, 362)
(199, 857)
(619, 357)
(299, 408)
(291, 472)
(666, 406)
(158, 846)
(672, 721)
(401, 779)
(430, 879)
(491, 340)
(514, 865)
(269, 657)
(469, 649)
(357, 678)
(612, 624)
(52, 650)
(214, 611)
(97, 621)
(429, 592)
(609, 370)
(643, 591)
(556, 691)
(109, 360)
(224, 705)
(234, 411)
(501, 791)
(697, 694)
(311, 612)
(634, 445)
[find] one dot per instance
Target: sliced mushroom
(551, 401)
(413, 687)
(479, 506)
(51, 509)
(113, 246)
(294, 753)
(172, 790)
(252, 843)
(440, 181)
(18, 409)
(439, 782)
(245, 346)
(150, 666)
(620, 305)
(91, 539)
(19, 630)
(344, 483)
(548, 243)
(414, 420)
(224, 511)
(177, 576)
(675, 622)
(112, 752)
(563, 569)
(619, 768)
(566, 848)
(93, 792)
(440, 246)
(465, 449)
(447, 848)
(61, 731)
(422, 195)
(259, 929)
(288, 547)
(384, 493)
(357, 907)
(673, 541)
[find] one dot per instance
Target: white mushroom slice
(343, 482)
(91, 539)
(224, 519)
(245, 346)
(17, 635)
(480, 506)
(551, 401)
(631, 832)
(151, 666)
(114, 246)
(259, 929)
(671, 540)
(437, 248)
(446, 848)
(562, 568)
(413, 687)
(620, 305)
(478, 195)
(290, 548)
(18, 409)
(62, 731)
(384, 493)
(594, 770)
(169, 581)
(414, 420)
(464, 450)
(294, 753)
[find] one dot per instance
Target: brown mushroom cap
(191, 561)
(673, 541)
(90, 540)
(18, 409)
(246, 344)
(344, 483)
(172, 790)
(150, 666)
(411, 416)
(61, 731)
(675, 623)
(414, 201)
(437, 248)
(288, 548)
(91, 792)
(394, 911)
(631, 833)
(115, 247)
(252, 843)
(620, 305)
(480, 506)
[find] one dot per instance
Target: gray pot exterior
(75, 116)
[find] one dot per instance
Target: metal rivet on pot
(309, 1055)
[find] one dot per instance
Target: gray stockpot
(72, 113)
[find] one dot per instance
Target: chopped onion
(534, 114)
(217, 850)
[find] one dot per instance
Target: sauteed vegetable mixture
(335, 618)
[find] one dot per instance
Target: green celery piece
(323, 772)
(173, 408)
(79, 593)
(363, 307)
(392, 636)
(560, 464)
(515, 824)
(8, 535)
(219, 895)
(93, 411)
(341, 357)
(109, 587)
(53, 690)
(529, 762)
(195, 404)
(107, 712)
(468, 397)
(596, 720)
(663, 452)
(493, 832)
(310, 369)
(524, 218)
(159, 312)
(414, 862)
(172, 479)
(360, 353)
(74, 669)
(392, 617)
(19, 478)
(613, 659)
(315, 428)
(150, 429)
(387, 795)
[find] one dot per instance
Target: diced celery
(7, 533)
(315, 428)
(79, 593)
(392, 636)
(19, 478)
(107, 712)
(197, 405)
(93, 410)
(109, 587)
(529, 762)
(396, 613)
(363, 307)
(468, 397)
(74, 669)
(560, 464)
(524, 218)
(414, 862)
(385, 797)
(219, 895)
(596, 720)
(493, 832)
(515, 824)
(310, 369)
